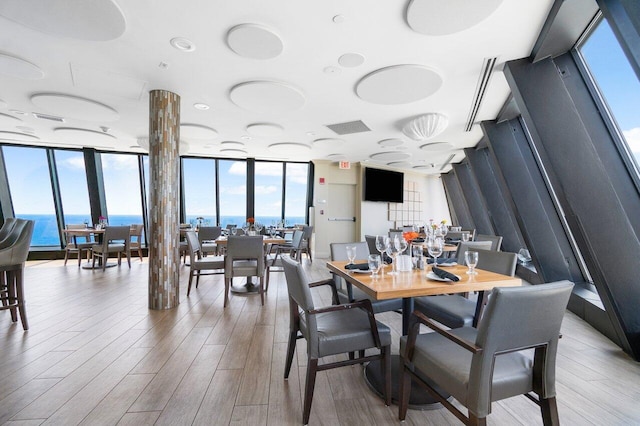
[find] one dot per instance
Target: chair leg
(475, 421)
(549, 409)
(190, 279)
(291, 349)
(11, 295)
(79, 257)
(312, 369)
(66, 256)
(385, 366)
(227, 284)
(262, 289)
(129, 259)
(266, 287)
(20, 298)
(404, 391)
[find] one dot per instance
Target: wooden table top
(81, 232)
(265, 238)
(415, 283)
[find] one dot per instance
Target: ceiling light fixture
(426, 126)
(183, 44)
(201, 106)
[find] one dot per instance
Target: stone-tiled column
(164, 232)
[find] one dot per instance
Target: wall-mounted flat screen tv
(383, 185)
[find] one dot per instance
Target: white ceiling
(273, 73)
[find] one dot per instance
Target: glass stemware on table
(416, 256)
(375, 264)
(351, 254)
(471, 259)
(381, 245)
(393, 250)
(435, 246)
(524, 256)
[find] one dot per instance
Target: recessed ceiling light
(245, 137)
(351, 60)
(18, 112)
(331, 70)
(338, 19)
(183, 44)
(163, 65)
(311, 134)
(201, 106)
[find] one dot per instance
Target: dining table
(408, 285)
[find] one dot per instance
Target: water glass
(465, 236)
(524, 256)
(375, 264)
(435, 248)
(351, 254)
(471, 259)
(416, 253)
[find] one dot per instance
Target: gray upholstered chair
(496, 240)
(305, 245)
(13, 255)
(207, 236)
(77, 243)
(454, 310)
(135, 238)
(7, 226)
(371, 243)
(332, 330)
(198, 264)
(244, 258)
(116, 239)
(348, 293)
(470, 245)
(492, 362)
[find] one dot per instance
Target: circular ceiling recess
(17, 136)
(267, 97)
(328, 143)
(19, 68)
(197, 131)
(69, 106)
(9, 120)
(351, 60)
(254, 41)
(85, 137)
(232, 145)
(96, 20)
(399, 84)
(437, 17)
(336, 157)
(289, 147)
(436, 146)
(399, 164)
(233, 151)
(387, 143)
(390, 156)
(265, 130)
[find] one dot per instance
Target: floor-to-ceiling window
(617, 83)
(72, 179)
(199, 185)
(122, 188)
(268, 192)
(233, 192)
(31, 195)
(295, 206)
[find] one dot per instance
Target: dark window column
(473, 197)
(460, 215)
(624, 18)
(6, 205)
(95, 184)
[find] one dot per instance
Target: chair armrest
(331, 283)
(364, 304)
(418, 318)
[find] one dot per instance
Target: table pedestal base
(248, 288)
(420, 399)
(98, 266)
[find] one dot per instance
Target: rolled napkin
(445, 274)
(361, 266)
(418, 240)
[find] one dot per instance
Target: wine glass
(416, 253)
(234, 230)
(402, 244)
(524, 256)
(471, 259)
(465, 236)
(435, 247)
(351, 254)
(443, 230)
(381, 245)
(258, 227)
(393, 251)
(375, 264)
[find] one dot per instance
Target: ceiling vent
(48, 117)
(446, 163)
(349, 127)
(481, 88)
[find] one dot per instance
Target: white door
(341, 212)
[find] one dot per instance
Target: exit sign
(345, 165)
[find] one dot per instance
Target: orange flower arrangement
(410, 236)
(250, 220)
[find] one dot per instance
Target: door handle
(342, 219)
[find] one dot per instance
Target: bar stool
(13, 255)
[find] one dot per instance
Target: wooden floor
(96, 355)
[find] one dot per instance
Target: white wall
(371, 217)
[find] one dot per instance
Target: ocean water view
(45, 231)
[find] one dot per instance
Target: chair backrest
(470, 245)
(296, 241)
(371, 243)
(339, 250)
(496, 240)
(116, 234)
(136, 230)
(209, 233)
(17, 243)
(307, 231)
(517, 318)
(194, 246)
(300, 298)
(501, 262)
(7, 226)
(244, 248)
(395, 233)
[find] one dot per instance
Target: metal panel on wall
(460, 214)
(473, 197)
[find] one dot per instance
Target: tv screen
(383, 185)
